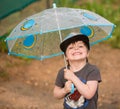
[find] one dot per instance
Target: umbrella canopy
(40, 35)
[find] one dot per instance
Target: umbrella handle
(72, 88)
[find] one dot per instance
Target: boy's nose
(76, 47)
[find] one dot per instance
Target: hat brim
(74, 38)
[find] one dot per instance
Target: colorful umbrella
(39, 35)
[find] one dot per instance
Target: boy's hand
(68, 74)
(67, 86)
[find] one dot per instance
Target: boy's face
(77, 51)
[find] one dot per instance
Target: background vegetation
(107, 8)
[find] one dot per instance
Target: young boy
(79, 72)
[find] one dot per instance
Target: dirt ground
(28, 84)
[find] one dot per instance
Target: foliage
(67, 3)
(3, 47)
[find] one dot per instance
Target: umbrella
(39, 35)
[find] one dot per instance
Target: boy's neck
(76, 66)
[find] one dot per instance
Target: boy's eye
(71, 47)
(80, 46)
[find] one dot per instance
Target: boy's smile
(77, 53)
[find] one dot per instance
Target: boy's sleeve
(59, 79)
(94, 74)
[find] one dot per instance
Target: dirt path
(28, 84)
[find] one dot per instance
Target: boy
(79, 72)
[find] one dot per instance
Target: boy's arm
(87, 90)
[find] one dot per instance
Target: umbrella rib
(42, 48)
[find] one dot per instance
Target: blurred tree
(47, 4)
(3, 47)
(67, 3)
